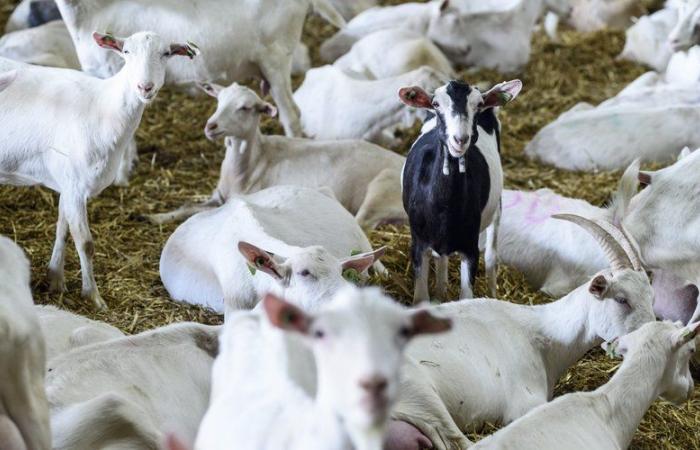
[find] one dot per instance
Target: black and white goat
(452, 181)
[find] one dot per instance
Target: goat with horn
(500, 360)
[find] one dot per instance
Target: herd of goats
(306, 358)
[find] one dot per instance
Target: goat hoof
(57, 283)
(96, 298)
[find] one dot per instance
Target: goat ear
(190, 50)
(416, 97)
(259, 259)
(106, 40)
(685, 152)
(444, 5)
(363, 261)
(599, 287)
(686, 334)
(212, 89)
(173, 443)
(284, 315)
(501, 94)
(423, 322)
(267, 109)
(615, 349)
(644, 178)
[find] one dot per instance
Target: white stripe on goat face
(457, 104)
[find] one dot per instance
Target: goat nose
(374, 385)
(458, 140)
(212, 126)
(146, 87)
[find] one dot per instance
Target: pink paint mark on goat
(539, 214)
(514, 199)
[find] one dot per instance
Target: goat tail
(626, 189)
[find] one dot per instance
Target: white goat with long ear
(297, 240)
(655, 364)
(363, 177)
(24, 410)
(68, 131)
(480, 373)
(357, 340)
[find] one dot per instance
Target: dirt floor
(177, 165)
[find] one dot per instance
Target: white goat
(467, 37)
(363, 177)
(238, 39)
(24, 411)
(684, 68)
(357, 342)
(650, 123)
(63, 331)
(335, 105)
(478, 372)
(46, 45)
(124, 393)
(655, 364)
(305, 239)
(556, 260)
(393, 52)
(594, 15)
(646, 41)
(67, 131)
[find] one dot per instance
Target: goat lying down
(655, 364)
(126, 392)
(556, 259)
(363, 177)
(297, 240)
(478, 373)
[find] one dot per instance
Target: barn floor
(177, 165)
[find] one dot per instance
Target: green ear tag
(355, 252)
(351, 275)
(688, 335)
(504, 97)
(259, 261)
(610, 351)
(251, 269)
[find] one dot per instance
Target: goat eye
(405, 332)
(126, 52)
(319, 334)
(305, 273)
(622, 301)
(436, 104)
(245, 108)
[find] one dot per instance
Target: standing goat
(502, 359)
(452, 180)
(24, 410)
(364, 178)
(357, 341)
(655, 364)
(68, 131)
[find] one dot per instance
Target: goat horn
(621, 237)
(614, 251)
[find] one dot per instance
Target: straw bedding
(177, 165)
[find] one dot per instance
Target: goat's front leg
(75, 210)
(421, 267)
(277, 68)
(442, 277)
(56, 275)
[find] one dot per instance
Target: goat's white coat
(350, 8)
(594, 15)
(393, 52)
(335, 105)
(201, 263)
(501, 359)
(24, 413)
(49, 44)
(18, 18)
(63, 331)
(126, 392)
(607, 418)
